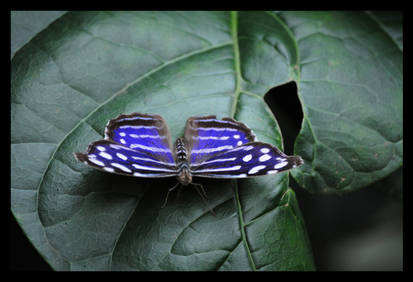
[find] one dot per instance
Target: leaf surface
(88, 67)
(350, 87)
(26, 24)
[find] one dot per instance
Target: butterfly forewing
(248, 160)
(208, 136)
(148, 133)
(136, 144)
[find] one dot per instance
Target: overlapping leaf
(351, 86)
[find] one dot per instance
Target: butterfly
(140, 145)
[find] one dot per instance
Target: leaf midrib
(237, 64)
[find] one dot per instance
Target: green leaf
(26, 24)
(392, 23)
(350, 87)
(88, 67)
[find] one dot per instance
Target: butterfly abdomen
(184, 175)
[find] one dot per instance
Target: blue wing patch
(148, 133)
(136, 145)
(208, 136)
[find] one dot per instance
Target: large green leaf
(88, 67)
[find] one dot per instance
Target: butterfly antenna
(201, 191)
(167, 194)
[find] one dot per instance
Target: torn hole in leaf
(284, 104)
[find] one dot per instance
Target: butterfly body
(140, 145)
(183, 169)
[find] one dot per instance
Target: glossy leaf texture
(88, 67)
(26, 24)
(351, 88)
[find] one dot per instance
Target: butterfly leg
(201, 191)
(169, 191)
(178, 193)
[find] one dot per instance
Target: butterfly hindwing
(109, 156)
(208, 136)
(136, 145)
(248, 160)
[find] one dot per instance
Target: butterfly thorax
(184, 174)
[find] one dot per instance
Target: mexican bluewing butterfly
(140, 145)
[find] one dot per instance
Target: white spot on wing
(210, 150)
(217, 129)
(247, 158)
(255, 169)
(237, 167)
(121, 167)
(265, 150)
(138, 126)
(121, 156)
(153, 149)
(239, 143)
(96, 162)
(210, 137)
(105, 155)
(264, 158)
(236, 136)
(136, 117)
(242, 175)
(151, 168)
(150, 160)
(146, 136)
(101, 148)
(119, 147)
(109, 169)
(280, 165)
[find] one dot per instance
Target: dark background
(361, 230)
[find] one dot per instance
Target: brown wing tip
(230, 119)
(80, 156)
(135, 114)
(201, 118)
(297, 160)
(190, 121)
